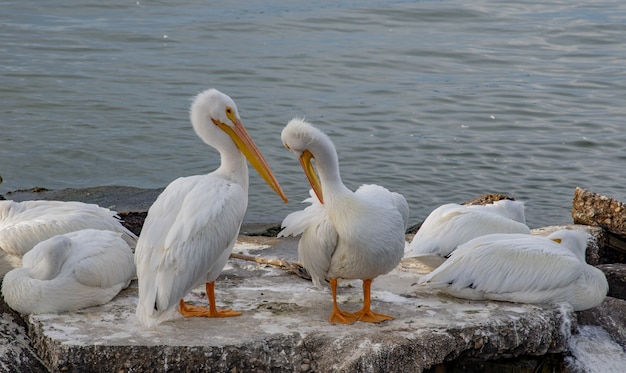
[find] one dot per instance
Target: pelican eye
(230, 114)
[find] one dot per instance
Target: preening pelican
(345, 234)
(192, 227)
(450, 225)
(25, 224)
(68, 272)
(523, 268)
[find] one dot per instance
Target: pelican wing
(381, 197)
(502, 263)
(24, 224)
(319, 237)
(451, 225)
(298, 221)
(186, 239)
(101, 258)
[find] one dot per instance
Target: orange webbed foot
(370, 316)
(366, 314)
(200, 311)
(342, 317)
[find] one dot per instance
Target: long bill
(309, 171)
(249, 149)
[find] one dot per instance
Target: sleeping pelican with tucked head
(71, 271)
(345, 234)
(523, 268)
(193, 225)
(25, 224)
(451, 224)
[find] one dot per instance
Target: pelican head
(212, 110)
(575, 240)
(304, 141)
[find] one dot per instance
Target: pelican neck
(233, 165)
(327, 165)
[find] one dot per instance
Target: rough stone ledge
(284, 327)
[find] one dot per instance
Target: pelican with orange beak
(193, 225)
(345, 234)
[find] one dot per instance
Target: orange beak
(309, 171)
(249, 149)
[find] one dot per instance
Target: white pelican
(345, 234)
(523, 268)
(450, 225)
(192, 227)
(25, 224)
(68, 272)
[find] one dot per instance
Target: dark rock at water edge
(117, 198)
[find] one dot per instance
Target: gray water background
(441, 101)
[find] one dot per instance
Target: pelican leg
(366, 314)
(199, 311)
(338, 316)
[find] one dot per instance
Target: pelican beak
(249, 149)
(309, 171)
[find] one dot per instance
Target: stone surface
(616, 276)
(285, 327)
(595, 209)
(16, 351)
(611, 315)
(118, 198)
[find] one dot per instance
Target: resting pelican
(345, 234)
(192, 227)
(523, 268)
(68, 272)
(25, 224)
(450, 225)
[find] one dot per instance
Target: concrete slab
(285, 327)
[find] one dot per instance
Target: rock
(117, 198)
(611, 315)
(133, 221)
(488, 198)
(592, 349)
(597, 210)
(17, 353)
(616, 276)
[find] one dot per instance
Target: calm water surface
(439, 100)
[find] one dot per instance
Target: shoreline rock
(284, 326)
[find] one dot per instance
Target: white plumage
(25, 224)
(523, 268)
(68, 272)
(192, 227)
(450, 225)
(345, 234)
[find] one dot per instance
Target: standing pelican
(523, 268)
(345, 234)
(450, 225)
(192, 227)
(68, 272)
(25, 224)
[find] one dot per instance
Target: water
(439, 100)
